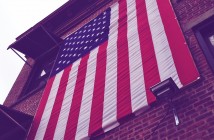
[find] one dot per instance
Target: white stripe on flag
(66, 104)
(85, 110)
(138, 93)
(48, 108)
(110, 96)
(163, 53)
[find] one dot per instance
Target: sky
(17, 16)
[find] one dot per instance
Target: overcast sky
(16, 16)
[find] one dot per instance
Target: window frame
(202, 33)
(36, 81)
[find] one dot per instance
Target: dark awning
(36, 42)
(13, 124)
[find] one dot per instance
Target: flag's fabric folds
(104, 70)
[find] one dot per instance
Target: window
(39, 73)
(205, 35)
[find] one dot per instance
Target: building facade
(194, 104)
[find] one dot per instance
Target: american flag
(104, 70)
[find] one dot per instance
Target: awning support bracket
(21, 57)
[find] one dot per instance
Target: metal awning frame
(34, 42)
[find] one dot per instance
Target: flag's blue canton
(83, 41)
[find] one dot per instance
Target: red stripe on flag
(71, 127)
(49, 134)
(123, 84)
(99, 89)
(150, 67)
(40, 110)
(185, 66)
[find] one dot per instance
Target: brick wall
(19, 84)
(195, 105)
(30, 104)
(187, 10)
